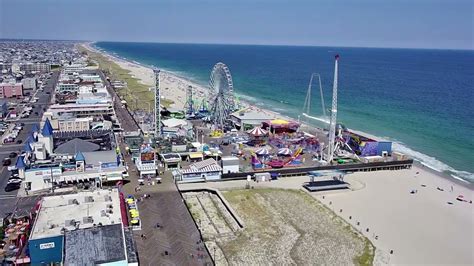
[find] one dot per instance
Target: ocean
(422, 100)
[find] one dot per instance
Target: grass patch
(367, 257)
(268, 212)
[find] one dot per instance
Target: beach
(421, 227)
(172, 87)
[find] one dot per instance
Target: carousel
(258, 136)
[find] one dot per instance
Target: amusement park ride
(336, 145)
(221, 96)
(221, 100)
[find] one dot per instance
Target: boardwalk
(178, 234)
(123, 115)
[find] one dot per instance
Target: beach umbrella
(284, 151)
(262, 152)
(257, 132)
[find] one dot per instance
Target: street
(8, 200)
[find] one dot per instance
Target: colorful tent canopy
(284, 151)
(257, 132)
(280, 123)
(262, 151)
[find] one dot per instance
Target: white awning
(148, 172)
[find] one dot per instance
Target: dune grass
(297, 227)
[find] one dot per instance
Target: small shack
(230, 164)
(205, 170)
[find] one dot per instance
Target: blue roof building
(47, 130)
(20, 162)
(79, 156)
(35, 128)
(27, 147)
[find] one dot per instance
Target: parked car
(9, 140)
(12, 155)
(14, 181)
(6, 162)
(19, 141)
(12, 186)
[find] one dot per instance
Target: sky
(444, 24)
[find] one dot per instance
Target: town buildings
(11, 90)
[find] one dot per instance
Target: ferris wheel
(222, 94)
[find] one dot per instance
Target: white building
(230, 164)
(74, 124)
(74, 67)
(206, 170)
(249, 118)
(81, 110)
(29, 83)
(90, 78)
(67, 86)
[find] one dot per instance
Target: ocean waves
(433, 163)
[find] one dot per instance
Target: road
(8, 200)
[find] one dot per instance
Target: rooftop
(251, 114)
(93, 246)
(208, 165)
(100, 156)
(76, 145)
(76, 211)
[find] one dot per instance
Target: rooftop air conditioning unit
(73, 201)
(89, 199)
(88, 220)
(70, 222)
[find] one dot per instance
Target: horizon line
(237, 44)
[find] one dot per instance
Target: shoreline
(203, 92)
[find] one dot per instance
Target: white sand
(420, 228)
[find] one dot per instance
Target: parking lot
(8, 200)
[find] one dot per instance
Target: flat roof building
(250, 117)
(60, 215)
